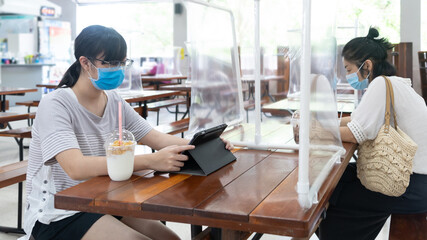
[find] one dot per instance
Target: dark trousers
(358, 213)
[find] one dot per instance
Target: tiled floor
(8, 195)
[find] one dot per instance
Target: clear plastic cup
(120, 155)
(295, 124)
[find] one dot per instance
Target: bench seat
(280, 95)
(19, 134)
(29, 103)
(24, 132)
(10, 116)
(13, 173)
(156, 106)
(250, 105)
(6, 117)
(173, 128)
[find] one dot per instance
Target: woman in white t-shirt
(354, 211)
(67, 144)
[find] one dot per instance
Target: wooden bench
(6, 117)
(250, 105)
(156, 106)
(7, 106)
(408, 226)
(173, 128)
(11, 174)
(19, 134)
(29, 104)
(139, 110)
(280, 95)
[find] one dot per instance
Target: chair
(283, 68)
(422, 59)
(408, 226)
(401, 57)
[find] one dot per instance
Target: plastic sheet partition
(132, 80)
(320, 140)
(310, 46)
(213, 68)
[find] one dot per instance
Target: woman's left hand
(228, 144)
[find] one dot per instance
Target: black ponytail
(71, 75)
(91, 42)
(360, 49)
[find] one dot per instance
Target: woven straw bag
(384, 164)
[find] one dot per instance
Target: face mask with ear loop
(353, 79)
(108, 78)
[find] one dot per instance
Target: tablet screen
(207, 134)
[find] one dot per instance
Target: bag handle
(389, 101)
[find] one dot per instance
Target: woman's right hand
(170, 159)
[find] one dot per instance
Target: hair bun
(373, 33)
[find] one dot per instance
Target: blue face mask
(353, 80)
(108, 78)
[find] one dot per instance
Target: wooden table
(141, 97)
(265, 81)
(47, 85)
(158, 79)
(183, 87)
(344, 106)
(255, 193)
(12, 91)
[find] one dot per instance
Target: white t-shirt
(411, 114)
(62, 124)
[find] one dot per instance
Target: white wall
(410, 31)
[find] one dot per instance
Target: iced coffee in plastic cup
(120, 155)
(295, 124)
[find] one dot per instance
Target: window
(146, 27)
(355, 17)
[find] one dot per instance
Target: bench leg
(18, 229)
(20, 189)
(195, 230)
(21, 149)
(257, 236)
(29, 120)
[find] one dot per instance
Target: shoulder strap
(389, 102)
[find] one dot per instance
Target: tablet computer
(206, 135)
(210, 153)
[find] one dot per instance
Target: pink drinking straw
(120, 122)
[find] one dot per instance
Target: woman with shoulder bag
(356, 212)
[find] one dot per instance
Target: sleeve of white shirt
(368, 117)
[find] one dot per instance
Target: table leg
(144, 109)
(251, 92)
(188, 105)
(267, 92)
(227, 234)
(3, 103)
(195, 230)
